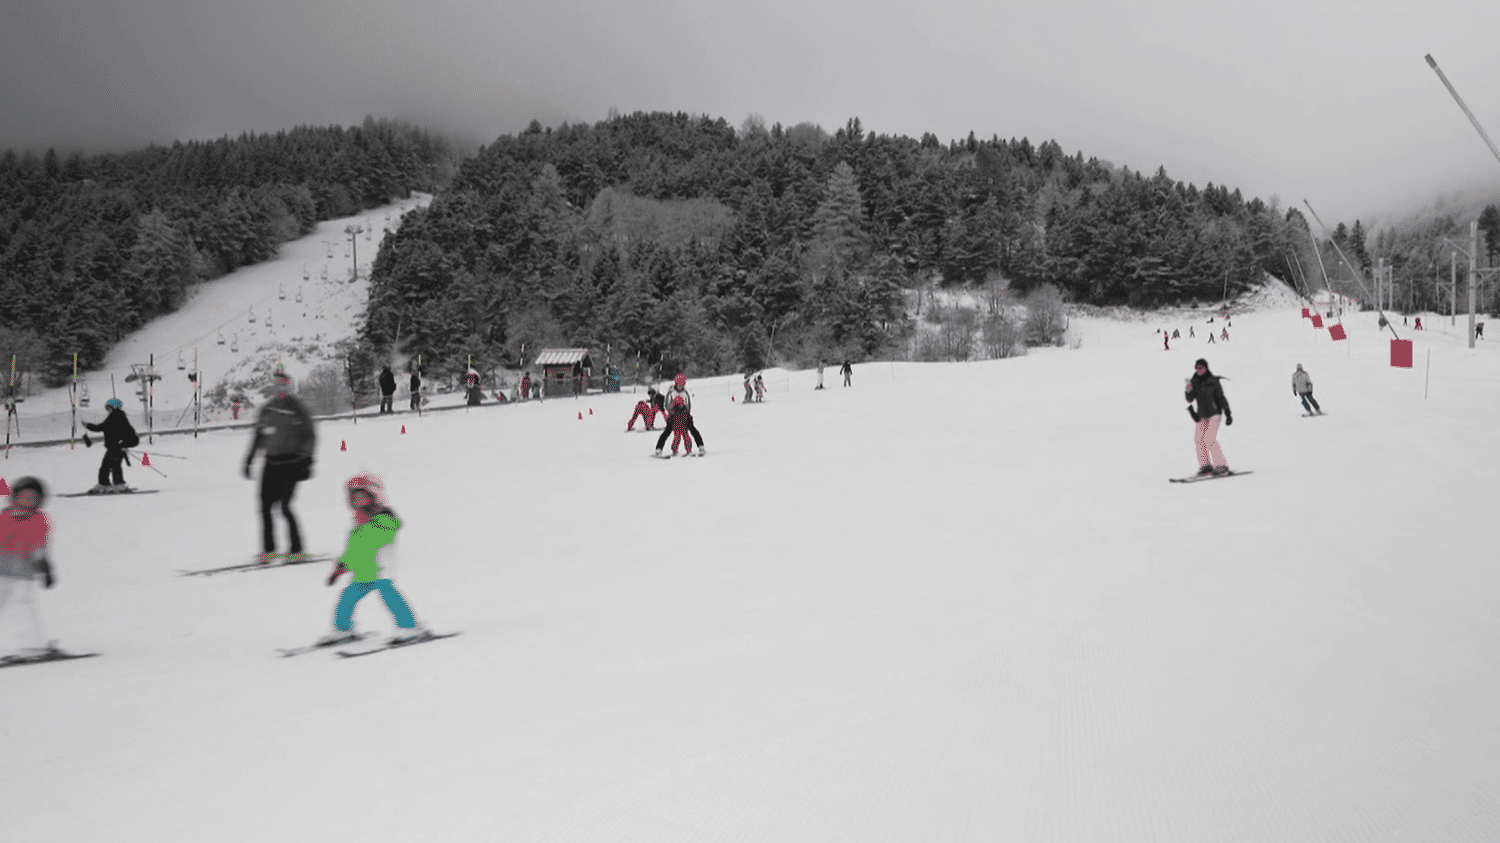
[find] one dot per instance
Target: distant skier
(387, 390)
(1224, 335)
(234, 409)
(1166, 342)
(1190, 332)
(1418, 326)
(820, 375)
(1176, 334)
(118, 436)
(375, 527)
(284, 430)
(749, 389)
(847, 371)
(1302, 388)
(25, 532)
(416, 389)
(1478, 330)
(679, 407)
(471, 387)
(525, 386)
(760, 388)
(1203, 387)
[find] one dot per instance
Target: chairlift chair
(299, 294)
(252, 316)
(83, 398)
(221, 338)
(281, 293)
(181, 363)
(235, 346)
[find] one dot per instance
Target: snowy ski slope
(956, 602)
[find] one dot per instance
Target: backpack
(130, 439)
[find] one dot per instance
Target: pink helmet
(680, 380)
(367, 483)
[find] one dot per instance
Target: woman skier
(1302, 388)
(1203, 387)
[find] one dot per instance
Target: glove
(87, 442)
(1228, 419)
(247, 469)
(1193, 413)
(44, 568)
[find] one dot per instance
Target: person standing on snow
(387, 390)
(24, 535)
(847, 371)
(471, 387)
(760, 388)
(677, 425)
(820, 375)
(749, 389)
(525, 386)
(679, 402)
(416, 389)
(1203, 387)
(285, 431)
(375, 527)
(118, 436)
(1302, 388)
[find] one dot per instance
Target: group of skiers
(1207, 404)
(1166, 339)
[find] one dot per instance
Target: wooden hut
(565, 371)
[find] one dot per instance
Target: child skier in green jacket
(375, 527)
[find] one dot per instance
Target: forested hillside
(92, 247)
(1426, 251)
(682, 239)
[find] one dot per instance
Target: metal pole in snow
(1429, 375)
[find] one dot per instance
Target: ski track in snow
(954, 602)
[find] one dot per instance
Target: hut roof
(561, 356)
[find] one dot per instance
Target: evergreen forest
(691, 245)
(92, 247)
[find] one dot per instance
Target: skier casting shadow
(1302, 388)
(677, 393)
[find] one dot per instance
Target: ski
(53, 655)
(349, 654)
(1310, 415)
(253, 566)
(109, 494)
(1197, 477)
(288, 652)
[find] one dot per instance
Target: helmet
(26, 483)
(114, 404)
(680, 381)
(367, 483)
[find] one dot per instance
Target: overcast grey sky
(1325, 100)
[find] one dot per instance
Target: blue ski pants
(343, 616)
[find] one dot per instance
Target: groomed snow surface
(955, 602)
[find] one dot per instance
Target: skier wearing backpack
(285, 431)
(118, 436)
(1203, 387)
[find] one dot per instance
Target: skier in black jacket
(285, 432)
(1203, 387)
(118, 435)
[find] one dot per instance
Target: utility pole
(1473, 276)
(354, 231)
(1453, 289)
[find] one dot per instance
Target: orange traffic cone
(145, 460)
(580, 416)
(591, 411)
(731, 399)
(343, 446)
(403, 430)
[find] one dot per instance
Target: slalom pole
(10, 406)
(151, 399)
